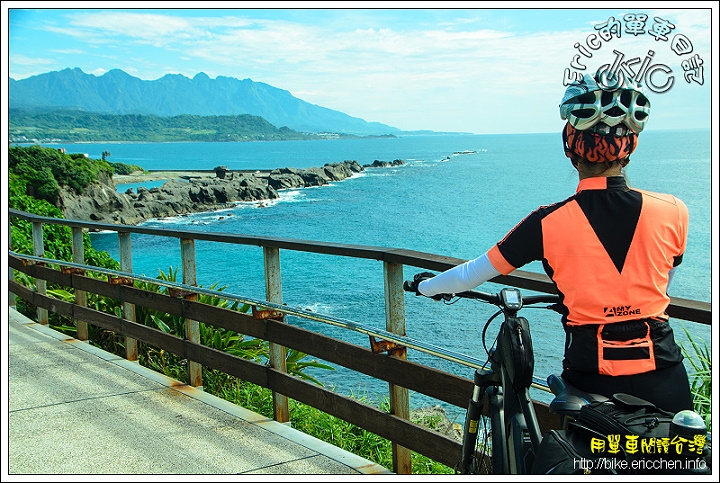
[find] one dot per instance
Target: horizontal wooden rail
(681, 308)
(396, 371)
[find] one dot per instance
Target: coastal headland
(167, 175)
(186, 192)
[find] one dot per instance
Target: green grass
(700, 376)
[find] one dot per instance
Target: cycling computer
(511, 298)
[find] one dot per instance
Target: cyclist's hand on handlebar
(412, 285)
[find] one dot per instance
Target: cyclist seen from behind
(610, 249)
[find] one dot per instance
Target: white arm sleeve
(465, 276)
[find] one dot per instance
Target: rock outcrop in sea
(101, 202)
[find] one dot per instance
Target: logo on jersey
(620, 311)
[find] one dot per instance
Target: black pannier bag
(567, 452)
(623, 435)
(625, 414)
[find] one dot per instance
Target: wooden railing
(267, 323)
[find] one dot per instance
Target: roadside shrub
(122, 168)
(45, 170)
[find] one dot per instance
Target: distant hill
(117, 92)
(59, 125)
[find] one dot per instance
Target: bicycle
(514, 431)
(515, 435)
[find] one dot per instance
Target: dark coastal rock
(101, 202)
(221, 171)
(384, 164)
(280, 179)
(340, 171)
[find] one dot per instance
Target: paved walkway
(75, 409)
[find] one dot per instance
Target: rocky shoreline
(167, 175)
(188, 192)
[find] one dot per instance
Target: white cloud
(23, 60)
(456, 74)
(98, 72)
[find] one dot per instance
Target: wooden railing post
(278, 353)
(192, 327)
(39, 251)
(395, 323)
(78, 253)
(11, 272)
(125, 248)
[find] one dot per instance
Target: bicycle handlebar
(492, 298)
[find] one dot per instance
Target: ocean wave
(318, 308)
(200, 218)
(292, 195)
(361, 174)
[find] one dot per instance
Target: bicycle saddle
(569, 399)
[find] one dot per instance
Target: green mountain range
(174, 96)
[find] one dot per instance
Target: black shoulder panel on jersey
(613, 215)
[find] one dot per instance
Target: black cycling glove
(412, 286)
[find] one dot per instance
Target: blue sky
(444, 69)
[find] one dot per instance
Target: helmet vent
(584, 113)
(606, 99)
(615, 112)
(596, 99)
(626, 98)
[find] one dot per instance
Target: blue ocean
(456, 195)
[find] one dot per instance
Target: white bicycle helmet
(605, 99)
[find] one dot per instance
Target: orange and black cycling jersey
(609, 249)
